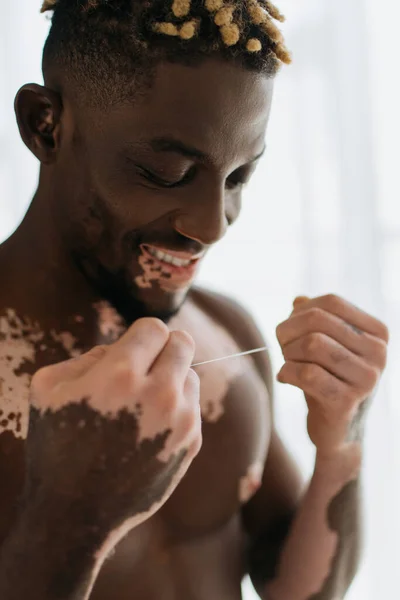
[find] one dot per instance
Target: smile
(168, 258)
(171, 258)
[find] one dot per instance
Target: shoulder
(241, 326)
(230, 314)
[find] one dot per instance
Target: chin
(160, 304)
(131, 301)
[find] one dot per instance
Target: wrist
(343, 463)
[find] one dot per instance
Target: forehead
(217, 107)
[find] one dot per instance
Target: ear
(38, 110)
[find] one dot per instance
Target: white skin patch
(118, 534)
(312, 524)
(251, 482)
(110, 323)
(67, 341)
(152, 274)
(212, 341)
(19, 338)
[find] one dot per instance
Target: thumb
(299, 301)
(79, 366)
(69, 370)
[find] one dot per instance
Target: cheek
(128, 200)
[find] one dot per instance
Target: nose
(204, 218)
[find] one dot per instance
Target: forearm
(47, 559)
(319, 556)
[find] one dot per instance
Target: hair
(108, 44)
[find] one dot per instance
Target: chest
(236, 429)
(235, 411)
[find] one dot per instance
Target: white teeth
(168, 258)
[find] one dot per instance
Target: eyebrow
(168, 144)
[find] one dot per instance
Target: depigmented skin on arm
(344, 518)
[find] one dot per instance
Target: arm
(304, 537)
(310, 550)
(89, 477)
(317, 549)
(46, 557)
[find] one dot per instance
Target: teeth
(167, 258)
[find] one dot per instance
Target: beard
(124, 296)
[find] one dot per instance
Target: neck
(41, 277)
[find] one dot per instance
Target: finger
(316, 382)
(191, 388)
(69, 370)
(79, 366)
(173, 362)
(317, 320)
(141, 344)
(299, 301)
(361, 321)
(322, 350)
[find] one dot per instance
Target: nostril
(206, 231)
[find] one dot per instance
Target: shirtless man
(152, 118)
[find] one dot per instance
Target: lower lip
(177, 273)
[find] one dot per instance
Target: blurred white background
(322, 215)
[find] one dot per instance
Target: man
(152, 118)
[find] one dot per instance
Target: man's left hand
(336, 354)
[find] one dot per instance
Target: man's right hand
(113, 432)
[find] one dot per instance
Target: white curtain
(321, 215)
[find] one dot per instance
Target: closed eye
(164, 183)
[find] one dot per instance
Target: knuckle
(152, 326)
(183, 339)
(381, 354)
(384, 331)
(308, 373)
(166, 402)
(123, 376)
(371, 376)
(42, 380)
(96, 352)
(170, 396)
(333, 301)
(338, 355)
(314, 316)
(312, 343)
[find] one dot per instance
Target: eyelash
(234, 181)
(153, 178)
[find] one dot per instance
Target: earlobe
(38, 110)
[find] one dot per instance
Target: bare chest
(235, 410)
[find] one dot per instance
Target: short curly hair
(109, 44)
